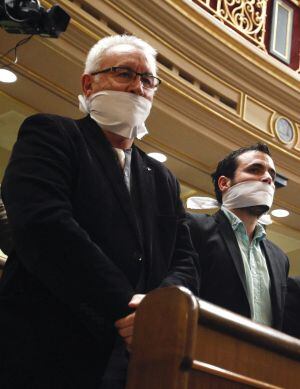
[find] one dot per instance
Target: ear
(224, 183)
(86, 83)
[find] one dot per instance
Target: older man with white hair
(96, 224)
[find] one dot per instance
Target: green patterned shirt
(256, 270)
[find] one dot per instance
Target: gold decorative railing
(247, 17)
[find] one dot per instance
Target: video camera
(29, 17)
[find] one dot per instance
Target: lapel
(145, 186)
(108, 159)
(232, 246)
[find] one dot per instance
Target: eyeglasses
(125, 75)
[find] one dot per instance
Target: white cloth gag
(241, 195)
(119, 112)
(248, 194)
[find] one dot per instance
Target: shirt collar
(237, 224)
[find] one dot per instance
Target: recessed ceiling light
(280, 213)
(7, 76)
(158, 156)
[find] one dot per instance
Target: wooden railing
(183, 342)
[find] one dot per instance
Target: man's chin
(257, 210)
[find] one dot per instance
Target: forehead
(126, 55)
(253, 157)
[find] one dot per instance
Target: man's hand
(125, 325)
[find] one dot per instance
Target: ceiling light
(158, 156)
(7, 76)
(280, 213)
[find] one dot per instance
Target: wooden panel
(220, 378)
(258, 115)
(242, 357)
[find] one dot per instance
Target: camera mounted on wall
(29, 17)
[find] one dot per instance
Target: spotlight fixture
(29, 17)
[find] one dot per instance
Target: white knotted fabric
(241, 195)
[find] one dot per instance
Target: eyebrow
(126, 63)
(262, 165)
(130, 68)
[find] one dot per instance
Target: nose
(267, 178)
(136, 86)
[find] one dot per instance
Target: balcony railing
(247, 17)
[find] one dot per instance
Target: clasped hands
(126, 324)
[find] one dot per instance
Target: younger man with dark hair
(239, 268)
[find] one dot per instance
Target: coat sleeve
(200, 226)
(183, 270)
(51, 245)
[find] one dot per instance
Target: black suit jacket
(222, 275)
(79, 251)
(291, 321)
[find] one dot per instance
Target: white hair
(98, 51)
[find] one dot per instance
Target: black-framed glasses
(125, 75)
